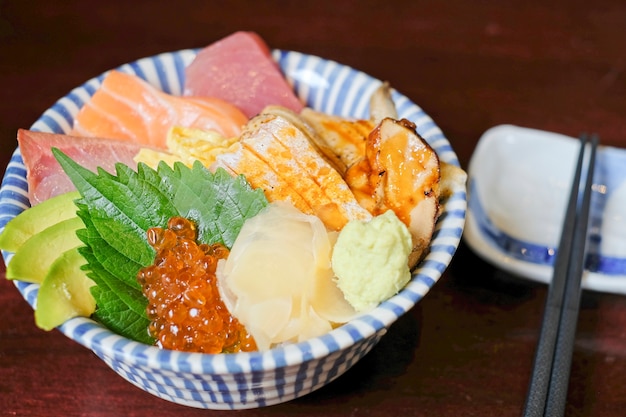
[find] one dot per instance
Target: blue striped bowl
(249, 380)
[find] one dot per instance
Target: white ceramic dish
(249, 380)
(519, 181)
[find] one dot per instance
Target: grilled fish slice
(316, 135)
(298, 170)
(343, 140)
(260, 175)
(400, 172)
(387, 165)
(298, 142)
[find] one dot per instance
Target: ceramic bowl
(249, 380)
(519, 183)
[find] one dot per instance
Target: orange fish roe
(184, 306)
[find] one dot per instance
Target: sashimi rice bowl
(230, 227)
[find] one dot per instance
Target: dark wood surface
(466, 349)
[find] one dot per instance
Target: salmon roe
(184, 306)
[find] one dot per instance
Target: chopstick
(547, 391)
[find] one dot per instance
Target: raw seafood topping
(319, 218)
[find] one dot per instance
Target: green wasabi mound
(370, 260)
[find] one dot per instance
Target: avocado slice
(37, 218)
(34, 257)
(64, 292)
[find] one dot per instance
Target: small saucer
(519, 182)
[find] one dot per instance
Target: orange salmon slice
(128, 108)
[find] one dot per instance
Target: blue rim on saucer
(548, 165)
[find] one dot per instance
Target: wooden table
(467, 348)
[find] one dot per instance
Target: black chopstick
(550, 376)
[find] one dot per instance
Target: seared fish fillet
(278, 157)
(400, 172)
(387, 165)
(342, 140)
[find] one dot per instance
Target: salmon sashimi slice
(298, 170)
(239, 69)
(128, 108)
(45, 176)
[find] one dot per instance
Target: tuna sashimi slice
(239, 69)
(45, 176)
(127, 107)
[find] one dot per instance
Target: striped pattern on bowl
(249, 380)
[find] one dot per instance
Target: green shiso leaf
(117, 211)
(218, 203)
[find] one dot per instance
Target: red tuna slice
(239, 69)
(45, 176)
